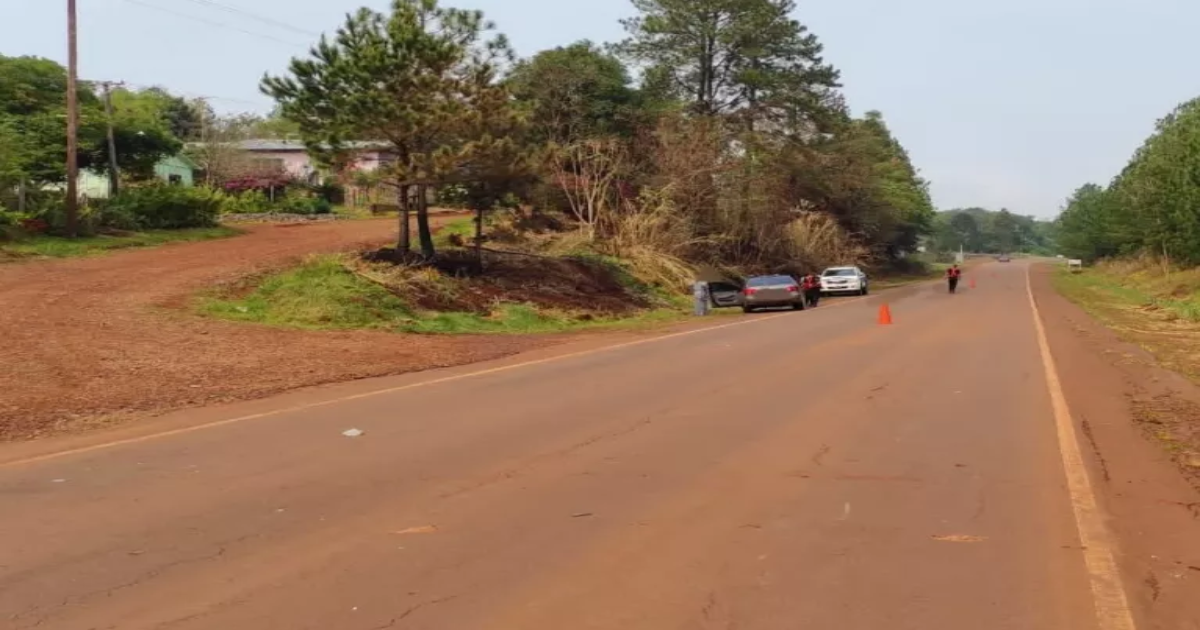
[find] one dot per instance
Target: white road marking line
(1108, 593)
(391, 390)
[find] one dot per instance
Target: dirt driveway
(88, 340)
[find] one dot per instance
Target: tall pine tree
(423, 79)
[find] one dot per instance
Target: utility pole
(72, 201)
(114, 172)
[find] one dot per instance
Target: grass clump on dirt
(516, 294)
(319, 294)
(45, 246)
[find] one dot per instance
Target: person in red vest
(952, 276)
(811, 285)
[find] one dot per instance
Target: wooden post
(114, 172)
(72, 201)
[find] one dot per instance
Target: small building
(291, 157)
(175, 169)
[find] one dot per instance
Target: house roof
(285, 146)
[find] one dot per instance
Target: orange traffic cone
(885, 315)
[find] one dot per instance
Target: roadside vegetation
(43, 246)
(751, 165)
(524, 295)
(1160, 312)
(1139, 237)
(734, 152)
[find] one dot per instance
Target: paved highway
(779, 471)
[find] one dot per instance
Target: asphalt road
(789, 471)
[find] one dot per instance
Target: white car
(844, 280)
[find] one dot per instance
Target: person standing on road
(811, 285)
(700, 295)
(952, 276)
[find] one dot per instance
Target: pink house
(293, 158)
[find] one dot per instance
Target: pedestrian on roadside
(952, 276)
(700, 295)
(811, 285)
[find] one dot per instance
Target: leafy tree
(1152, 206)
(1086, 225)
(31, 85)
(576, 92)
(275, 125)
(33, 111)
(986, 231)
(421, 78)
(142, 133)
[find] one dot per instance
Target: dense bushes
(162, 207)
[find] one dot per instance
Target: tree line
(1151, 207)
(148, 125)
(715, 132)
(978, 230)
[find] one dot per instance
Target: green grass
(1154, 311)
(321, 294)
(464, 228)
(59, 247)
(1099, 292)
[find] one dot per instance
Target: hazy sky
(1008, 103)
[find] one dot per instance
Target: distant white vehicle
(844, 280)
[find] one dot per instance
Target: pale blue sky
(1002, 103)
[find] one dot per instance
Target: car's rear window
(763, 281)
(839, 272)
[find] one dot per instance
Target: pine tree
(743, 58)
(423, 79)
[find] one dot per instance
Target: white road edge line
(391, 390)
(1108, 592)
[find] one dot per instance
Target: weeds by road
(43, 246)
(1158, 311)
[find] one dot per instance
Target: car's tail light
(749, 291)
(793, 289)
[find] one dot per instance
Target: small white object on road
(352, 433)
(58, 481)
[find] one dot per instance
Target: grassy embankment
(43, 246)
(341, 293)
(1145, 303)
(518, 296)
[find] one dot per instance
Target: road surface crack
(404, 615)
(1087, 431)
(819, 457)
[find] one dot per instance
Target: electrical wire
(216, 24)
(254, 16)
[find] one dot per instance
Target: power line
(140, 87)
(215, 24)
(254, 16)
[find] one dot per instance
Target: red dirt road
(89, 338)
(803, 470)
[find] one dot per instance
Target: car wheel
(865, 290)
(747, 309)
(798, 306)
